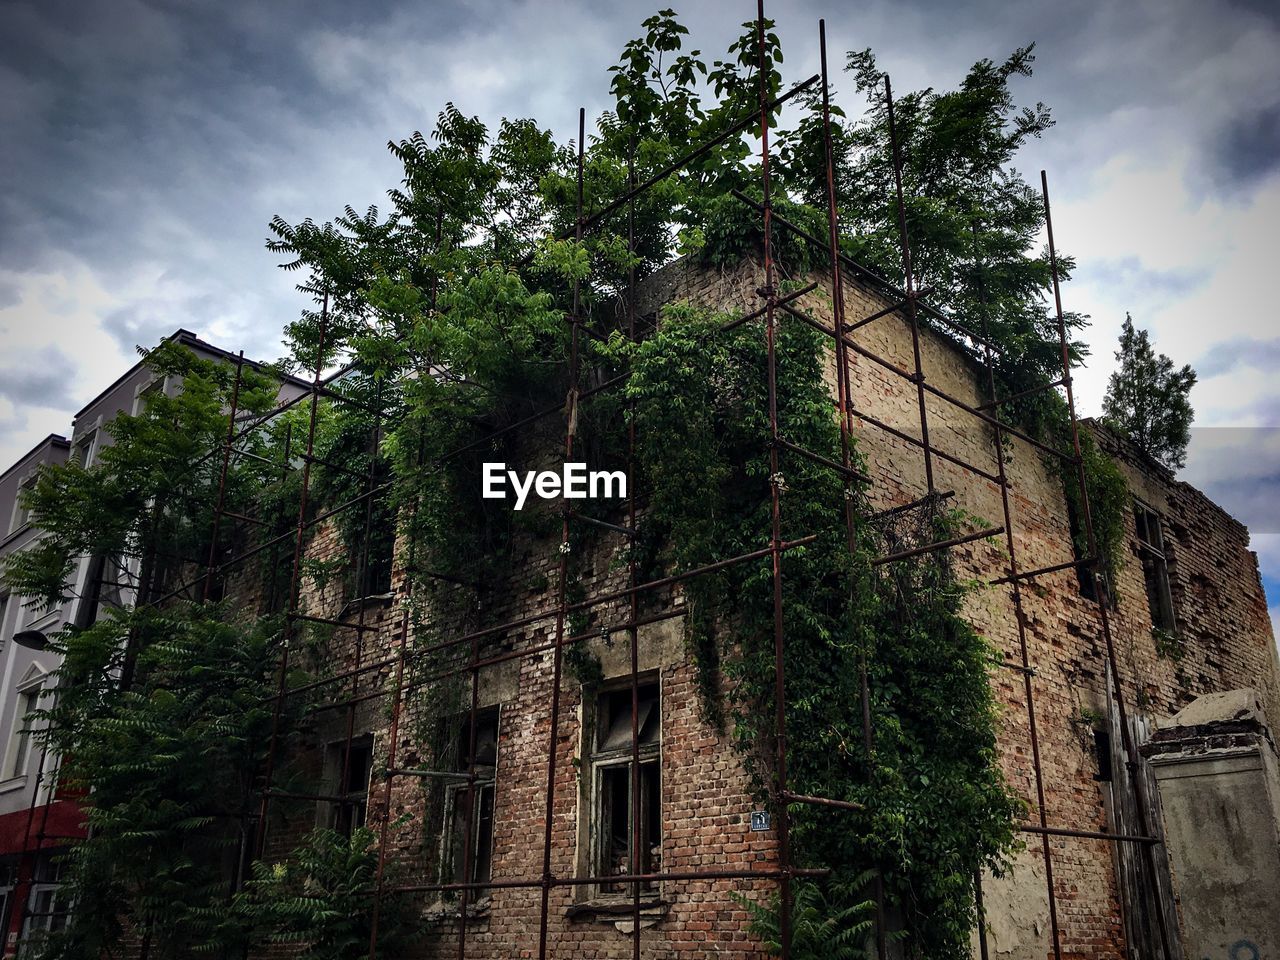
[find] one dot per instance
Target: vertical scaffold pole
(1101, 588)
(295, 579)
(1015, 591)
(844, 390)
(557, 670)
(908, 283)
(769, 294)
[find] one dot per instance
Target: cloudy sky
(145, 145)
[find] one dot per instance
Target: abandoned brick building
(1188, 616)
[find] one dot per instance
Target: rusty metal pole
(1015, 590)
(375, 913)
(393, 732)
(633, 599)
(775, 508)
(557, 670)
(294, 586)
(468, 868)
(844, 389)
(362, 586)
(908, 280)
(1132, 765)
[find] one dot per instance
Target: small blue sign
(759, 821)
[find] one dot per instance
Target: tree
(971, 217)
(1147, 399)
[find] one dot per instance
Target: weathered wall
(1219, 783)
(704, 791)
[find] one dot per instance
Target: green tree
(147, 502)
(165, 770)
(162, 711)
(972, 219)
(318, 900)
(1148, 398)
(455, 302)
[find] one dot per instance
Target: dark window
(1155, 566)
(22, 514)
(1084, 571)
(617, 782)
(347, 777)
(469, 807)
(376, 553)
(1102, 752)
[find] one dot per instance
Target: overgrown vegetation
(702, 434)
(454, 304)
(166, 765)
(318, 900)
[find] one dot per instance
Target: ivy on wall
(936, 809)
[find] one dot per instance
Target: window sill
(13, 783)
(440, 910)
(352, 606)
(619, 910)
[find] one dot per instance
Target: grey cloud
(1131, 277)
(42, 378)
(1238, 468)
(152, 137)
(1249, 148)
(1245, 352)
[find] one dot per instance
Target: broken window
(375, 547)
(347, 777)
(1155, 566)
(618, 784)
(468, 808)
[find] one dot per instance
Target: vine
(699, 395)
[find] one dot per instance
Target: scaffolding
(907, 301)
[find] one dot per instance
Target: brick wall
(1226, 643)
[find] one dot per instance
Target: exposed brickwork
(1226, 641)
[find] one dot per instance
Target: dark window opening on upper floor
(467, 850)
(1153, 555)
(375, 552)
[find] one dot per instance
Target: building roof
(52, 440)
(184, 336)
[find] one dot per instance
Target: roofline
(53, 440)
(1148, 464)
(182, 335)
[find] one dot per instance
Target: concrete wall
(1219, 783)
(21, 667)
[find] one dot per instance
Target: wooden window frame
(602, 760)
(1154, 557)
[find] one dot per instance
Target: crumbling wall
(704, 792)
(1219, 780)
